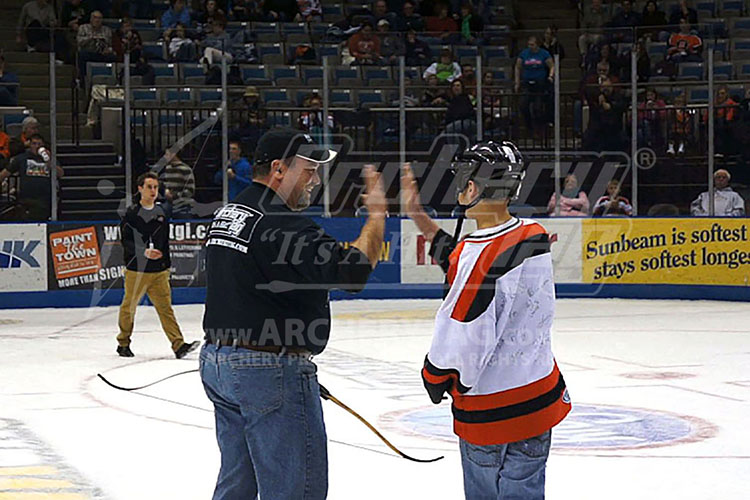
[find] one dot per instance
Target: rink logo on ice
(587, 427)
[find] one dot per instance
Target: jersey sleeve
(441, 248)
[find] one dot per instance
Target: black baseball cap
(283, 142)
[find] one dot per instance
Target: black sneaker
(186, 348)
(124, 351)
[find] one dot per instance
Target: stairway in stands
(94, 181)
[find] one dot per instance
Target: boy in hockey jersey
(491, 345)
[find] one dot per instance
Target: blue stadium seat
(267, 32)
(254, 75)
(286, 75)
(173, 119)
(347, 75)
(209, 96)
(698, 95)
(155, 51)
(740, 27)
(370, 98)
(723, 70)
(715, 27)
(178, 96)
(466, 54)
(690, 71)
(721, 48)
(318, 31)
(412, 72)
(732, 8)
(332, 52)
(500, 75)
(332, 12)
(704, 9)
(279, 119)
(496, 56)
(192, 73)
(101, 73)
(14, 118)
(295, 33)
(341, 98)
(743, 70)
(312, 75)
(111, 23)
(657, 51)
(375, 76)
(496, 35)
(741, 48)
(302, 94)
(145, 97)
(165, 73)
(278, 97)
(235, 27)
(271, 53)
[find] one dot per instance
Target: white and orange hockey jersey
(491, 347)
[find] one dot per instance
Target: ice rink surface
(660, 392)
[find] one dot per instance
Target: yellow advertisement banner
(668, 251)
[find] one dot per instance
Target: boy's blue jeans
(512, 471)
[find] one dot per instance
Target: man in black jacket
(269, 270)
(145, 239)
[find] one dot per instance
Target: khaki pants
(156, 285)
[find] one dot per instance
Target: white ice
(667, 381)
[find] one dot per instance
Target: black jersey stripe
(512, 411)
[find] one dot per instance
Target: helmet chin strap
(461, 211)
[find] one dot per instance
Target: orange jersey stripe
(513, 429)
(453, 262)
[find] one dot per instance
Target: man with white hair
(727, 203)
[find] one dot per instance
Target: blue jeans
(512, 471)
(269, 424)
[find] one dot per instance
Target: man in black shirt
(144, 233)
(269, 271)
(33, 169)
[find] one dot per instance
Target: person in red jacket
(364, 45)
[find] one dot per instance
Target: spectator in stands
(33, 169)
(684, 46)
(309, 11)
(433, 94)
(654, 24)
(651, 116)
(177, 12)
(181, 47)
(127, 39)
(469, 79)
(29, 127)
(440, 25)
(36, 19)
(94, 43)
(725, 114)
(179, 184)
(727, 203)
(551, 44)
(239, 172)
(470, 23)
(217, 44)
(379, 12)
(612, 203)
(446, 70)
(573, 200)
(681, 125)
(643, 63)
(74, 14)
(626, 19)
(364, 45)
(100, 94)
(8, 85)
(391, 45)
(595, 17)
(605, 123)
(534, 72)
(209, 11)
(409, 19)
(4, 149)
(280, 10)
(591, 84)
(683, 11)
(417, 52)
(252, 119)
(607, 53)
(460, 117)
(311, 121)
(246, 10)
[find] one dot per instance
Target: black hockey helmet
(497, 168)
